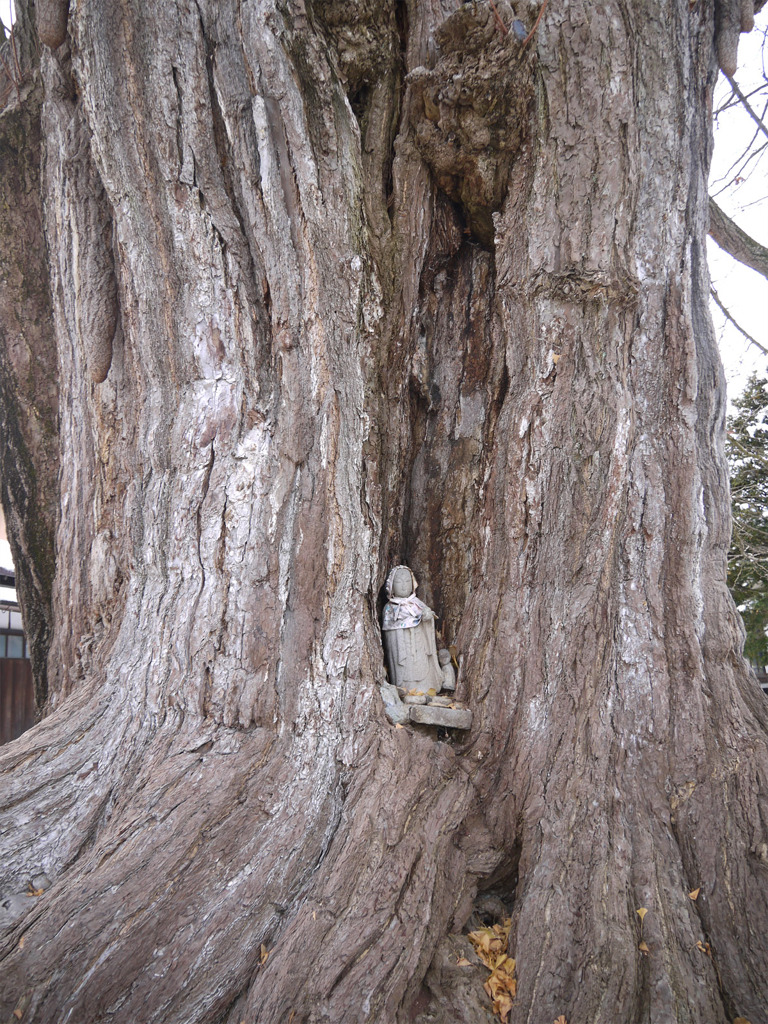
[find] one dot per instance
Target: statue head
(444, 656)
(401, 582)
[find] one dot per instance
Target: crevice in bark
(366, 44)
(179, 126)
(219, 134)
(497, 892)
(359, 100)
(502, 392)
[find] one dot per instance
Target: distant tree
(747, 448)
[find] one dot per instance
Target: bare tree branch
(751, 155)
(745, 103)
(737, 243)
(502, 27)
(732, 100)
(738, 326)
(535, 26)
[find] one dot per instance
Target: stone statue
(409, 635)
(449, 676)
(418, 672)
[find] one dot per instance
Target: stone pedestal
(449, 718)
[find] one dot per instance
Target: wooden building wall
(17, 698)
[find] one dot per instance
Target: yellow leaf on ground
(431, 692)
(264, 953)
(399, 726)
(642, 912)
(501, 1007)
(481, 939)
(463, 962)
(22, 940)
(704, 947)
(561, 1019)
(643, 947)
(694, 894)
(18, 1014)
(555, 358)
(491, 947)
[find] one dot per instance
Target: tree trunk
(337, 285)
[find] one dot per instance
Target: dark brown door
(17, 698)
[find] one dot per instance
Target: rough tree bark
(332, 284)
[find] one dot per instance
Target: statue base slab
(449, 718)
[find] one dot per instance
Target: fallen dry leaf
(399, 726)
(643, 947)
(463, 962)
(502, 1006)
(555, 358)
(431, 692)
(740, 1020)
(264, 953)
(22, 940)
(694, 894)
(491, 946)
(704, 947)
(642, 912)
(18, 1014)
(561, 1019)
(481, 940)
(34, 892)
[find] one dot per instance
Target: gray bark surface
(331, 287)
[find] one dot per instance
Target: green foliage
(747, 449)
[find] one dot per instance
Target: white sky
(744, 292)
